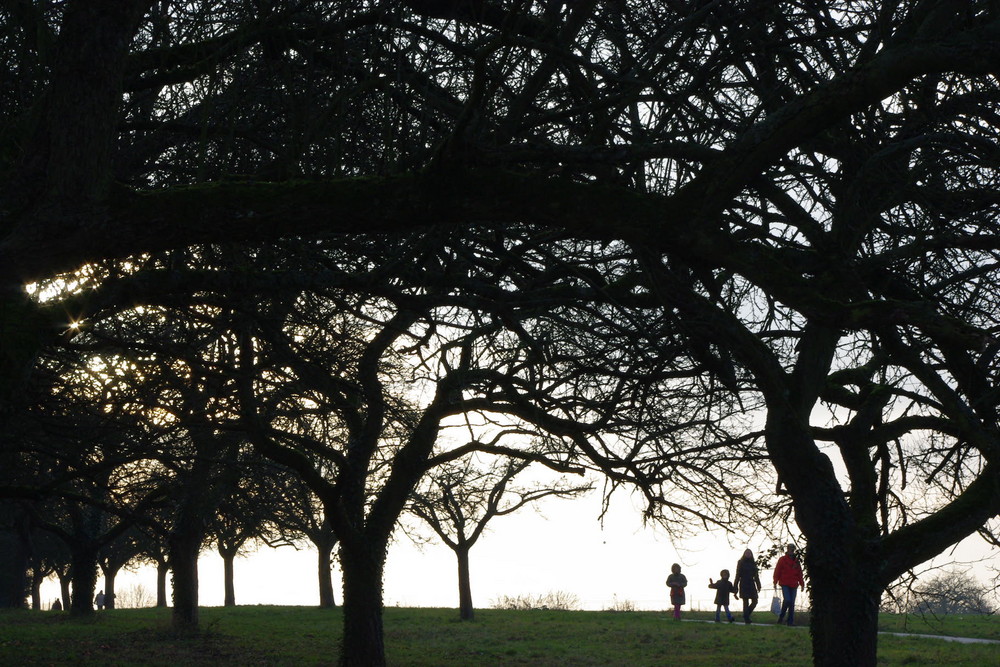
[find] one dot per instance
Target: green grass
(306, 636)
(979, 626)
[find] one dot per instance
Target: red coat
(788, 572)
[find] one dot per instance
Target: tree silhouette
(14, 555)
(460, 499)
(807, 188)
(244, 515)
(155, 553)
(327, 380)
(163, 364)
(48, 557)
(952, 593)
(299, 516)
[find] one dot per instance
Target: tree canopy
(801, 196)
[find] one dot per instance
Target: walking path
(961, 640)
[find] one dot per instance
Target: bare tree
(155, 553)
(458, 501)
(234, 529)
(299, 516)
(115, 556)
(952, 593)
(134, 597)
(328, 385)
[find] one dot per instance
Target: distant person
(57, 605)
(677, 582)
(99, 600)
(788, 575)
(723, 588)
(747, 584)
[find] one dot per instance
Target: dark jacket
(723, 588)
(747, 581)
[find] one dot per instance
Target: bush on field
(558, 600)
(134, 597)
(621, 605)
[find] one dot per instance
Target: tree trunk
(465, 610)
(363, 644)
(13, 570)
(109, 588)
(83, 573)
(36, 591)
(184, 548)
(161, 584)
(844, 616)
(228, 558)
(842, 553)
(64, 582)
(324, 570)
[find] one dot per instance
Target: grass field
(307, 636)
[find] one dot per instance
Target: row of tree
(101, 525)
(125, 456)
(267, 506)
(739, 255)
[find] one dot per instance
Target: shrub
(134, 597)
(556, 600)
(621, 605)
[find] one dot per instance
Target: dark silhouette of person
(747, 584)
(723, 587)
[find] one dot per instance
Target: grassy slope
(306, 636)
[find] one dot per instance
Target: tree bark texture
(13, 570)
(36, 592)
(64, 591)
(363, 644)
(184, 548)
(161, 584)
(228, 559)
(324, 571)
(465, 610)
(83, 573)
(844, 618)
(109, 588)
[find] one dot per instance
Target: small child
(677, 583)
(722, 590)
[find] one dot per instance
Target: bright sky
(564, 549)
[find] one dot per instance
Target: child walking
(677, 583)
(723, 588)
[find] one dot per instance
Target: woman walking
(747, 584)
